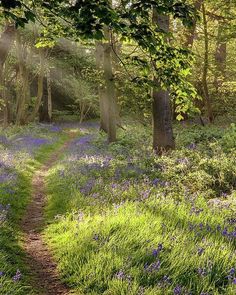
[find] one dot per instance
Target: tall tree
(101, 89)
(163, 138)
(110, 92)
(41, 76)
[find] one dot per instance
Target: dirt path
(43, 269)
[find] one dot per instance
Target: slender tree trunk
(49, 94)
(101, 89)
(163, 138)
(82, 110)
(205, 68)
(220, 57)
(23, 91)
(116, 51)
(110, 88)
(40, 88)
(6, 41)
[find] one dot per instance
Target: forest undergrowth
(124, 221)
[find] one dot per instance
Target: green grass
(111, 208)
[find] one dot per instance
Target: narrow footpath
(43, 269)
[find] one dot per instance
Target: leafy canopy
(131, 20)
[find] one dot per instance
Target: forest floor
(117, 219)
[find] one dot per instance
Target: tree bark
(40, 88)
(6, 41)
(110, 89)
(116, 52)
(23, 91)
(205, 68)
(101, 90)
(163, 137)
(49, 94)
(220, 56)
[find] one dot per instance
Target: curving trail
(39, 259)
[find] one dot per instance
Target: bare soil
(46, 280)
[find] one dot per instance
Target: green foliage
(229, 138)
(131, 21)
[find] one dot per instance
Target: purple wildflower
(96, 237)
(17, 276)
(225, 232)
(120, 275)
(156, 252)
(155, 181)
(192, 146)
(202, 272)
(155, 266)
(200, 251)
(178, 290)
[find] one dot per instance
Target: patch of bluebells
(28, 144)
(153, 267)
(232, 276)
(121, 275)
(3, 140)
(225, 232)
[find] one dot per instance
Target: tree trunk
(6, 41)
(49, 92)
(220, 57)
(23, 92)
(101, 90)
(205, 68)
(191, 32)
(40, 88)
(110, 92)
(116, 51)
(163, 138)
(43, 110)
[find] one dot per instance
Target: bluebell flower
(17, 276)
(200, 251)
(178, 290)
